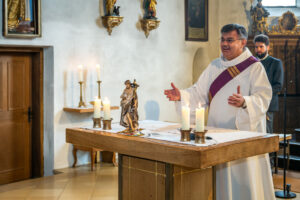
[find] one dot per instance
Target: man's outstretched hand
(173, 94)
(236, 100)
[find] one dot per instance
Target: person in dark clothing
(274, 69)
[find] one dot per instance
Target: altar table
(164, 170)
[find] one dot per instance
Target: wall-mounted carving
(287, 25)
(259, 16)
(149, 22)
(112, 16)
(149, 25)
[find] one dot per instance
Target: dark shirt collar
(267, 55)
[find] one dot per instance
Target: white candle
(97, 108)
(200, 119)
(80, 73)
(106, 109)
(185, 114)
(98, 72)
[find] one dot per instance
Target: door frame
(37, 139)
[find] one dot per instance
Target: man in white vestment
(240, 103)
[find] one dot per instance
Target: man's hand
(173, 94)
(236, 100)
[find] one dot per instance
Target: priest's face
(232, 45)
(261, 49)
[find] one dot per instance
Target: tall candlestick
(81, 102)
(106, 109)
(99, 88)
(98, 72)
(80, 73)
(185, 114)
(200, 119)
(97, 108)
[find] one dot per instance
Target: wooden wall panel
(3, 85)
(153, 180)
(193, 184)
(12, 148)
(292, 115)
(16, 83)
(142, 179)
(38, 115)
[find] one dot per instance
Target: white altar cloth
(167, 131)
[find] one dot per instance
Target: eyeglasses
(229, 40)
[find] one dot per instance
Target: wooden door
(15, 126)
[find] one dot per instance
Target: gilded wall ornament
(259, 16)
(287, 25)
(149, 21)
(112, 16)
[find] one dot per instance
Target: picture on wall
(196, 20)
(22, 18)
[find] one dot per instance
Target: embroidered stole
(228, 74)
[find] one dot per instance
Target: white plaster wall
(74, 30)
(220, 13)
(126, 54)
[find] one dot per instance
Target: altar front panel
(153, 180)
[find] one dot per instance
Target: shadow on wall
(101, 13)
(67, 118)
(152, 110)
(202, 58)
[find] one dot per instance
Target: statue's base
(130, 132)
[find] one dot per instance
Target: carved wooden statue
(150, 9)
(259, 17)
(129, 105)
(109, 6)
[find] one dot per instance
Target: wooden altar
(153, 169)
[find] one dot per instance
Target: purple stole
(228, 74)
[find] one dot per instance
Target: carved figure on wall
(129, 105)
(149, 21)
(112, 16)
(259, 17)
(116, 10)
(150, 9)
(288, 21)
(287, 25)
(111, 9)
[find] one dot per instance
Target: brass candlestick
(107, 124)
(185, 135)
(81, 103)
(200, 137)
(99, 93)
(97, 122)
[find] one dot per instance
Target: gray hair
(241, 31)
